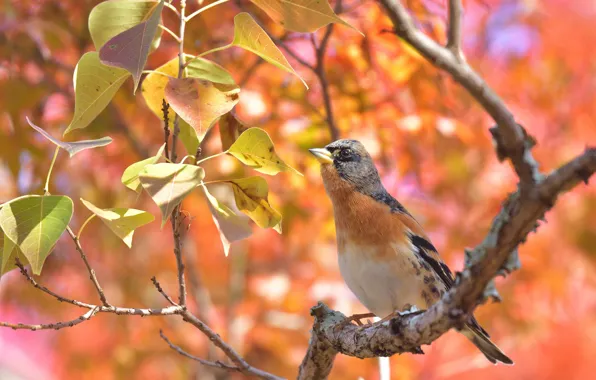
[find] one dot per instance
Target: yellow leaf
(250, 36)
(168, 184)
(8, 254)
(110, 18)
(199, 102)
(304, 16)
(251, 195)
(95, 85)
(230, 129)
(130, 177)
(230, 225)
(122, 221)
(154, 84)
(255, 149)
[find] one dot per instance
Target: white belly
(376, 284)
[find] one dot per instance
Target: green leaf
(254, 148)
(129, 49)
(95, 85)
(250, 36)
(230, 129)
(35, 224)
(72, 147)
(154, 84)
(230, 225)
(199, 102)
(168, 184)
(110, 18)
(122, 221)
(189, 137)
(130, 177)
(8, 254)
(251, 195)
(304, 16)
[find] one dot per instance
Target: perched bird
(384, 256)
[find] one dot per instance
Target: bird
(384, 255)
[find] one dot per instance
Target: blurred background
(430, 141)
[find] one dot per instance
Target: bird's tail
(480, 338)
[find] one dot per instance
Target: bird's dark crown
(354, 165)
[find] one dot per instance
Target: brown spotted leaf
(251, 195)
(254, 148)
(230, 128)
(200, 102)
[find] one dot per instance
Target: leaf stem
(84, 225)
(196, 13)
(210, 157)
(207, 52)
(186, 157)
(166, 29)
(46, 188)
(171, 7)
(156, 72)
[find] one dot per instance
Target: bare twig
(165, 107)
(178, 254)
(243, 366)
(454, 32)
(52, 326)
(320, 50)
(92, 275)
(214, 364)
(48, 291)
(162, 292)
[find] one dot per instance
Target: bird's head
(345, 164)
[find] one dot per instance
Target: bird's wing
(427, 252)
(424, 248)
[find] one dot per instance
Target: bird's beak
(322, 155)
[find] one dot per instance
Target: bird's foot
(356, 318)
(406, 311)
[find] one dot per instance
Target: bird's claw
(356, 318)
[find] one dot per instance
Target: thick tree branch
(407, 334)
(512, 134)
(519, 216)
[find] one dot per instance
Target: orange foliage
(431, 143)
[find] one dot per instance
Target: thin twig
(52, 326)
(178, 254)
(243, 366)
(176, 213)
(215, 364)
(92, 275)
(48, 291)
(165, 107)
(320, 50)
(162, 292)
(454, 33)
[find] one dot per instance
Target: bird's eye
(346, 153)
